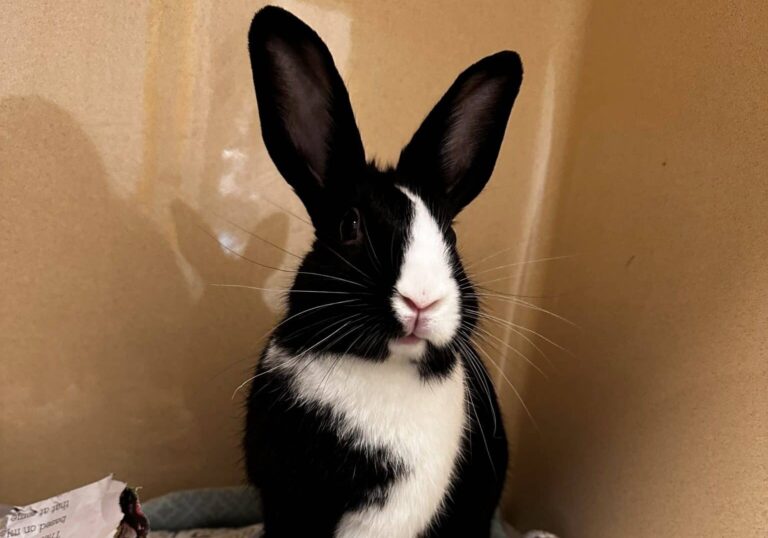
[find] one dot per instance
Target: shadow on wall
(99, 331)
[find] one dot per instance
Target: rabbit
(370, 414)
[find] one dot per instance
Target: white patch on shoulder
(426, 278)
(387, 405)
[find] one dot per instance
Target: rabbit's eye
(349, 229)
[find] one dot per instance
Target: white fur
(387, 405)
(426, 277)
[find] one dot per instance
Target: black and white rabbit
(370, 414)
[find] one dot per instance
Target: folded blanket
(256, 530)
(233, 513)
(253, 531)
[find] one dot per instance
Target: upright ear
(306, 118)
(453, 153)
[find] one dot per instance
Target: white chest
(388, 405)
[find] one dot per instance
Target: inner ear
(465, 130)
(306, 117)
(454, 151)
(305, 102)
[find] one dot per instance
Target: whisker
(286, 211)
(369, 340)
(373, 251)
(314, 346)
(515, 350)
(500, 279)
(527, 262)
(497, 253)
(325, 322)
(479, 372)
(520, 302)
(276, 366)
(300, 313)
(331, 277)
(304, 329)
(475, 365)
(253, 234)
(468, 284)
(341, 356)
(252, 378)
(512, 386)
(504, 323)
(471, 401)
(288, 291)
(482, 435)
(316, 238)
(242, 256)
(526, 329)
(281, 269)
(349, 263)
(274, 328)
(363, 324)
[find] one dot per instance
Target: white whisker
(512, 386)
(288, 291)
(511, 327)
(526, 304)
(515, 350)
(520, 263)
(526, 329)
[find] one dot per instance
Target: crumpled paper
(91, 511)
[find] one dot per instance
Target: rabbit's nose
(418, 306)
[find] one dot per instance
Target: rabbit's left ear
(453, 153)
(306, 118)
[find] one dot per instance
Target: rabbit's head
(383, 280)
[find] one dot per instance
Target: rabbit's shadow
(113, 358)
(244, 315)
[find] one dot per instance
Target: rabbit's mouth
(410, 347)
(410, 340)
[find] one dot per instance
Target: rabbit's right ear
(453, 153)
(306, 117)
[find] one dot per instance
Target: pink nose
(417, 307)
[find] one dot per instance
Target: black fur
(340, 299)
(310, 477)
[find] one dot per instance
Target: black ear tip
(506, 63)
(264, 18)
(512, 61)
(272, 20)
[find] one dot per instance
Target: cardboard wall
(130, 150)
(657, 424)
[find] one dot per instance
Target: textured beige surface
(129, 137)
(658, 425)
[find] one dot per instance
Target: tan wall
(658, 425)
(129, 136)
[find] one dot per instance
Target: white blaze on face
(426, 279)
